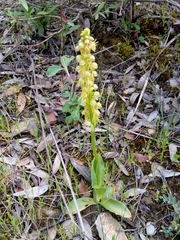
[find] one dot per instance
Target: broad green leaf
(24, 4)
(66, 94)
(69, 119)
(74, 28)
(75, 114)
(100, 7)
(65, 61)
(97, 172)
(116, 207)
(102, 14)
(141, 39)
(42, 13)
(113, 6)
(67, 107)
(103, 193)
(70, 23)
(82, 204)
(52, 70)
(96, 16)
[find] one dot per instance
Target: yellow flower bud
(86, 69)
(94, 65)
(94, 73)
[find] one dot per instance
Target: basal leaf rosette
(87, 72)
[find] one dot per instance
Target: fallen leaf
(109, 155)
(21, 102)
(133, 97)
(39, 173)
(121, 166)
(152, 116)
(49, 140)
(51, 118)
(133, 192)
(143, 79)
(9, 160)
(11, 91)
(83, 189)
(32, 192)
(26, 162)
(56, 164)
(129, 68)
(141, 157)
(52, 233)
(130, 136)
(20, 127)
(172, 150)
(83, 170)
(160, 171)
(33, 128)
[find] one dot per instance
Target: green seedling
(38, 18)
(53, 70)
(174, 229)
(71, 108)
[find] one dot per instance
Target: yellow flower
(86, 70)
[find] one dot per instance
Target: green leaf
(100, 7)
(141, 39)
(116, 207)
(65, 61)
(113, 6)
(82, 203)
(67, 107)
(66, 94)
(42, 13)
(75, 115)
(96, 16)
(24, 4)
(103, 193)
(52, 70)
(69, 119)
(74, 28)
(102, 14)
(97, 172)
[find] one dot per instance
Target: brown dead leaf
(130, 136)
(51, 118)
(26, 162)
(21, 102)
(83, 189)
(11, 91)
(141, 157)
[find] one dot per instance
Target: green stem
(93, 141)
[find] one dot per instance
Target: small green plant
(102, 191)
(71, 108)
(38, 18)
(103, 10)
(174, 229)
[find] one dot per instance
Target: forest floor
(45, 150)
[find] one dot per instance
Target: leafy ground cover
(46, 160)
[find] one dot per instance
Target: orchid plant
(87, 69)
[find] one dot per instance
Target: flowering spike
(87, 71)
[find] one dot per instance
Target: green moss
(125, 50)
